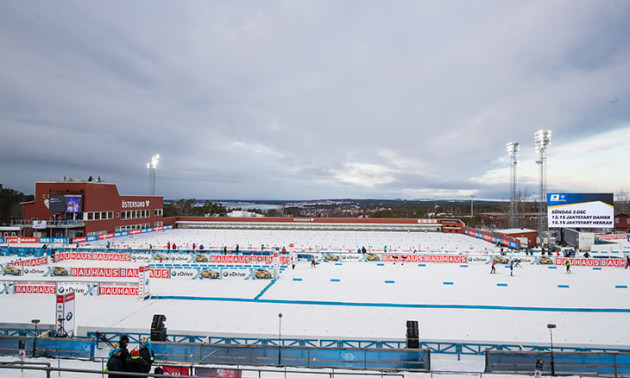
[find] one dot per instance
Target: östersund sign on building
(588, 210)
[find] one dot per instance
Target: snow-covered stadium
(362, 291)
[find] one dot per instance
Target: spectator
(115, 362)
(136, 364)
(124, 352)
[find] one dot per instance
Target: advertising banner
(35, 271)
(31, 262)
(14, 240)
(23, 287)
(141, 257)
(436, 259)
(590, 210)
(614, 263)
(39, 224)
(160, 273)
(8, 270)
(95, 272)
(144, 287)
(92, 256)
(118, 289)
(65, 325)
(276, 265)
(218, 373)
(105, 236)
(78, 288)
(188, 274)
(234, 273)
(176, 370)
(614, 237)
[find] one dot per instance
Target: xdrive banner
(589, 210)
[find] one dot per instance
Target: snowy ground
(366, 300)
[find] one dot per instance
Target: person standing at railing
(115, 362)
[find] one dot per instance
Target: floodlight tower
(542, 138)
(512, 149)
(152, 166)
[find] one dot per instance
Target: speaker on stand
(158, 330)
(413, 340)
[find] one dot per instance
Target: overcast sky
(315, 99)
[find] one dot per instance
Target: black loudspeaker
(413, 340)
(158, 335)
(158, 331)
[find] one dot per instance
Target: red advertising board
(239, 259)
(160, 273)
(90, 256)
(22, 240)
(31, 262)
(175, 370)
(95, 272)
(614, 236)
(35, 288)
(436, 259)
(118, 289)
(105, 236)
(615, 263)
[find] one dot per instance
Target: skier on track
(568, 264)
(494, 269)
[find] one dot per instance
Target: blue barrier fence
(49, 347)
(457, 348)
(256, 355)
(565, 363)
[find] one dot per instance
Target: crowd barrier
(564, 363)
(254, 355)
(49, 347)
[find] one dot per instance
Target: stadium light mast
(151, 166)
(512, 149)
(542, 138)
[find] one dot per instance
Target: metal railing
(260, 372)
(444, 347)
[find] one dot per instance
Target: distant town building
(622, 223)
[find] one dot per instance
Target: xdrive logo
(90, 289)
(7, 289)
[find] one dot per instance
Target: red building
(622, 223)
(69, 209)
